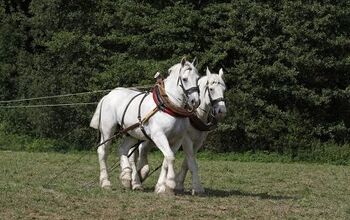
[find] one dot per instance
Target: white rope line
(47, 105)
(54, 96)
(67, 95)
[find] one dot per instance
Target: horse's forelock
(215, 78)
(178, 66)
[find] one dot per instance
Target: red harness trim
(163, 107)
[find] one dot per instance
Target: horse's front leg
(161, 183)
(168, 164)
(191, 163)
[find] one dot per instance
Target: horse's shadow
(230, 193)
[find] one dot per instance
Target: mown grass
(242, 190)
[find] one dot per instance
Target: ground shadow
(228, 193)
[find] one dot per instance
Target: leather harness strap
(201, 126)
(163, 102)
(126, 108)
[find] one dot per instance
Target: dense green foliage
(286, 65)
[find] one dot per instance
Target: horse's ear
(221, 73)
(183, 61)
(195, 62)
(208, 72)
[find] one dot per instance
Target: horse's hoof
(165, 191)
(179, 187)
(107, 187)
(125, 178)
(144, 172)
(137, 187)
(169, 191)
(198, 192)
(106, 184)
(179, 190)
(171, 183)
(159, 189)
(126, 183)
(156, 188)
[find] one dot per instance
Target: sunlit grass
(234, 189)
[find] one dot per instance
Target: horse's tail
(96, 119)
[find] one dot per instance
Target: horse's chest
(172, 126)
(178, 127)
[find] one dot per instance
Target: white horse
(122, 106)
(212, 89)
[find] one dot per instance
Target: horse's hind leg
(142, 163)
(180, 177)
(102, 152)
(126, 170)
(135, 179)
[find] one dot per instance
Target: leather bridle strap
(214, 101)
(189, 91)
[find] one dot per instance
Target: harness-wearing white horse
(212, 89)
(121, 107)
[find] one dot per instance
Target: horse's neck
(175, 95)
(204, 108)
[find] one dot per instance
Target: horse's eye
(185, 79)
(211, 89)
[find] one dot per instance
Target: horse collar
(164, 104)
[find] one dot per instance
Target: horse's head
(214, 93)
(187, 82)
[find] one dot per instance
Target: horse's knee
(170, 159)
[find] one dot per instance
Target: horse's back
(111, 105)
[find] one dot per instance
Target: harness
(163, 103)
(212, 122)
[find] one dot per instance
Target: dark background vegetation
(286, 66)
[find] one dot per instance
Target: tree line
(286, 65)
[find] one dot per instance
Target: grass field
(241, 190)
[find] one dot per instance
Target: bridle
(189, 91)
(213, 101)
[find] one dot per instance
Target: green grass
(242, 190)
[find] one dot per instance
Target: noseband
(189, 91)
(214, 101)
